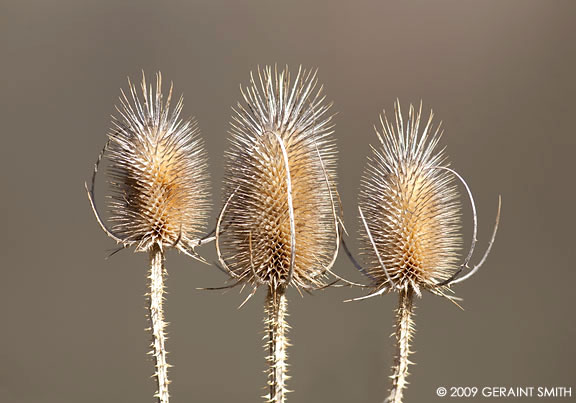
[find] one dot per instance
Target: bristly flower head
(410, 210)
(409, 207)
(157, 171)
(279, 222)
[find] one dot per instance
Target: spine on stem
(156, 311)
(404, 334)
(276, 344)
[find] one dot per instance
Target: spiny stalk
(156, 312)
(276, 343)
(404, 333)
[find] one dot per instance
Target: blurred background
(500, 75)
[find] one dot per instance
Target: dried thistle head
(410, 210)
(279, 221)
(157, 171)
(410, 206)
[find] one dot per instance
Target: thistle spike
(158, 176)
(279, 224)
(409, 208)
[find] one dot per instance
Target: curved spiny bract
(411, 208)
(158, 172)
(281, 164)
(279, 225)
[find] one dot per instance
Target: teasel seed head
(411, 207)
(158, 174)
(410, 213)
(157, 171)
(279, 221)
(410, 210)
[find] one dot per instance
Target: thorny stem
(156, 312)
(276, 343)
(404, 332)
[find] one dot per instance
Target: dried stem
(156, 311)
(404, 332)
(277, 343)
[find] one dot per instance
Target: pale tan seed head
(411, 207)
(158, 172)
(279, 220)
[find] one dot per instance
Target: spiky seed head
(411, 207)
(280, 121)
(157, 170)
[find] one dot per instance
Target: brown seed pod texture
(411, 207)
(279, 222)
(158, 172)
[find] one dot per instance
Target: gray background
(500, 74)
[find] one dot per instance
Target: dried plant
(279, 224)
(158, 175)
(410, 211)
